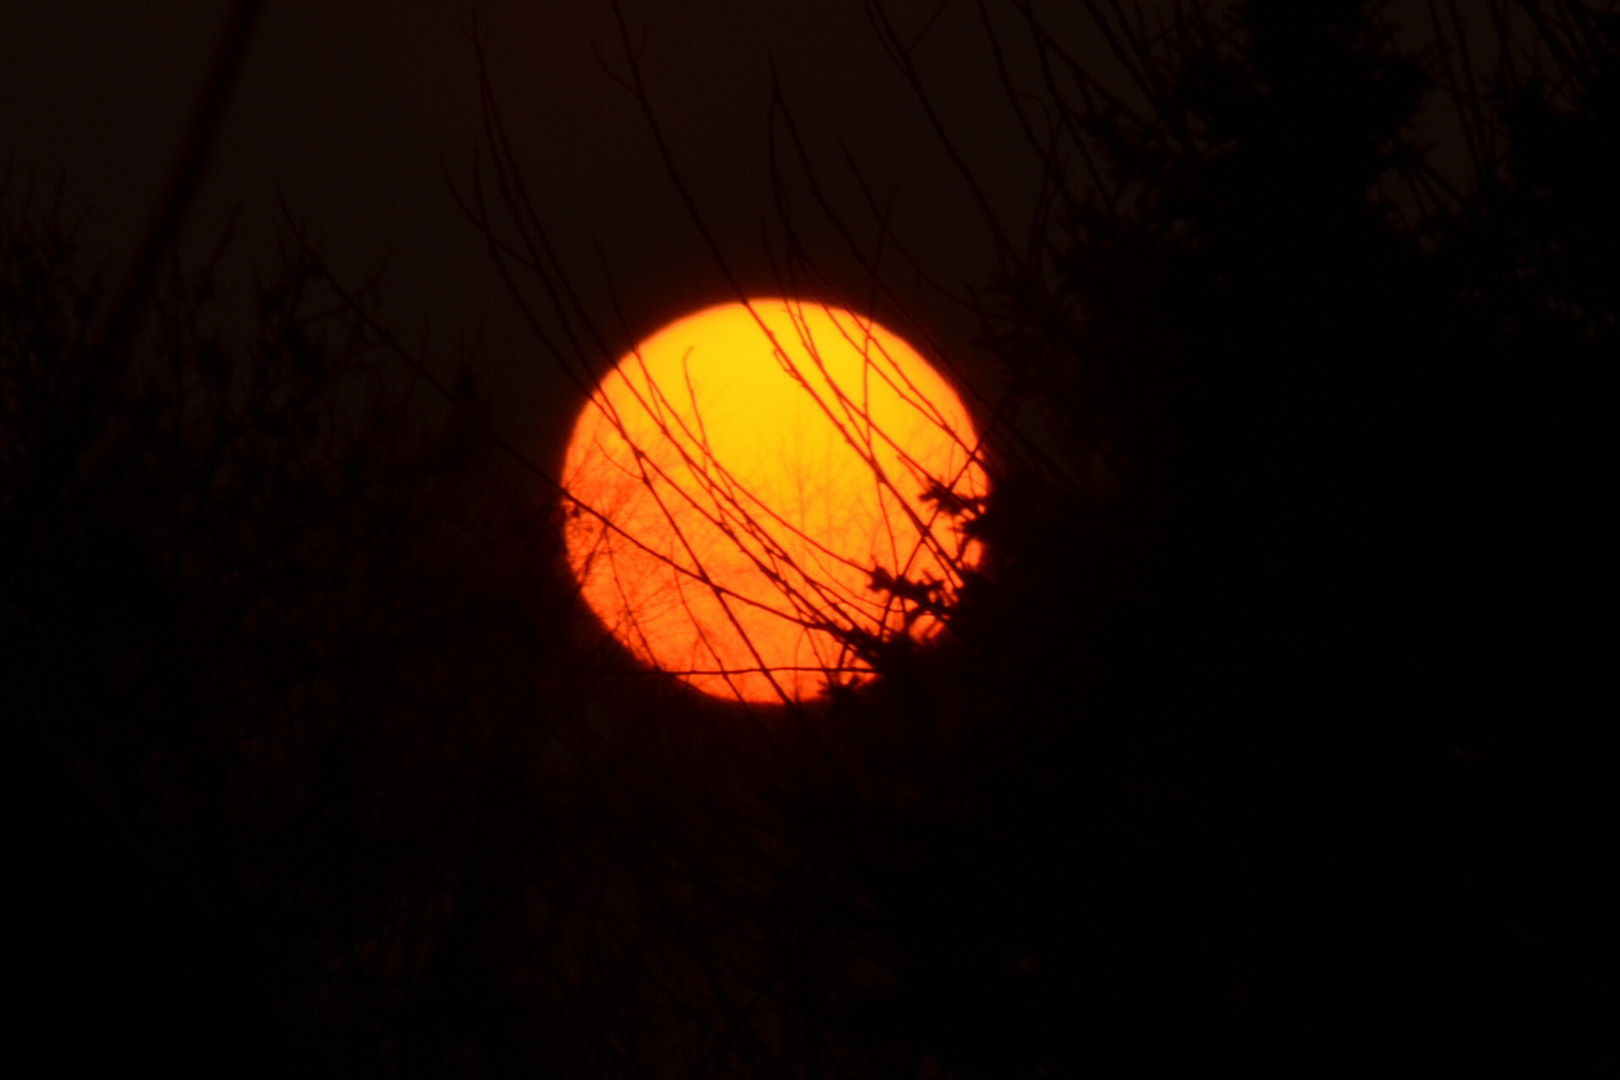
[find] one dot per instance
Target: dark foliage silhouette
(1272, 689)
(250, 634)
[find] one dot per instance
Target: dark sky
(359, 110)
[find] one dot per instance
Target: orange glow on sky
(733, 497)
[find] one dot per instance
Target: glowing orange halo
(751, 484)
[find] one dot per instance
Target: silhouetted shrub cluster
(264, 621)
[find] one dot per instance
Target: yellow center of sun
(763, 493)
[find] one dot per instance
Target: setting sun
(762, 493)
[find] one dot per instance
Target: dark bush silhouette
(256, 608)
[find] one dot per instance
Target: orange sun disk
(750, 483)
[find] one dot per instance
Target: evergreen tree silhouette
(1232, 674)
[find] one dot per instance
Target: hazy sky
(359, 110)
